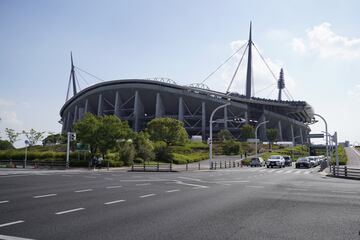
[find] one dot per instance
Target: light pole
(210, 137)
(256, 139)
(26, 147)
(326, 130)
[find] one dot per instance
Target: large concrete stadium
(140, 100)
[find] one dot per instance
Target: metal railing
(344, 171)
(157, 167)
(32, 163)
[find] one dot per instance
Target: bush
(5, 145)
(138, 160)
(162, 152)
(189, 158)
(230, 148)
(127, 153)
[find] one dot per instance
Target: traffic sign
(316, 135)
(253, 140)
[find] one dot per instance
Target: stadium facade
(138, 101)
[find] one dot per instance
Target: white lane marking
(174, 190)
(5, 201)
(148, 195)
(272, 170)
(297, 172)
(142, 184)
(4, 237)
(88, 177)
(279, 171)
(11, 223)
(192, 185)
(47, 195)
(107, 178)
(297, 189)
(289, 171)
(262, 170)
(69, 211)
(116, 201)
(66, 175)
(187, 178)
(348, 192)
(110, 187)
(83, 190)
(307, 172)
(255, 186)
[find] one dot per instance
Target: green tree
(54, 138)
(272, 136)
(169, 130)
(247, 131)
(87, 130)
(5, 145)
(144, 147)
(111, 129)
(33, 136)
(225, 135)
(12, 135)
(126, 152)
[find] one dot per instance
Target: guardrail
(344, 171)
(226, 164)
(32, 163)
(158, 167)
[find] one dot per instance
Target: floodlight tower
(281, 83)
(249, 67)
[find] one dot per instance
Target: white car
(275, 161)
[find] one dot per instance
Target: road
(353, 157)
(237, 203)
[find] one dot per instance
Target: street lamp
(326, 130)
(210, 137)
(256, 139)
(26, 147)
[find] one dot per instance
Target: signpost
(71, 136)
(26, 147)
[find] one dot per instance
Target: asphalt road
(353, 157)
(237, 203)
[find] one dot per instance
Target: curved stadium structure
(140, 100)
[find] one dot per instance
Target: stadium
(138, 101)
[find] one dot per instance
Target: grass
(294, 152)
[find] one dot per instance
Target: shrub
(189, 158)
(138, 160)
(230, 148)
(127, 153)
(162, 152)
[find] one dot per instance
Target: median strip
(148, 195)
(70, 211)
(47, 195)
(11, 223)
(116, 201)
(83, 190)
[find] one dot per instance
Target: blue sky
(317, 44)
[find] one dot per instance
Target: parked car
(257, 162)
(288, 161)
(275, 161)
(303, 162)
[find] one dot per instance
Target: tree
(169, 130)
(225, 135)
(5, 145)
(272, 135)
(101, 133)
(54, 138)
(247, 131)
(33, 136)
(111, 129)
(12, 135)
(144, 147)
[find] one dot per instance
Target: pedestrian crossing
(279, 170)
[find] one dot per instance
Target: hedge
(189, 158)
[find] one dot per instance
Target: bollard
(333, 170)
(187, 166)
(144, 167)
(199, 165)
(220, 164)
(345, 168)
(225, 164)
(215, 165)
(171, 167)
(158, 166)
(132, 167)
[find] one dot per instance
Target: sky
(317, 43)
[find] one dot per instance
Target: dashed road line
(89, 177)
(142, 184)
(5, 201)
(11, 223)
(111, 187)
(69, 211)
(47, 195)
(307, 172)
(83, 190)
(297, 172)
(173, 190)
(346, 192)
(192, 185)
(113, 202)
(5, 237)
(279, 171)
(251, 186)
(108, 178)
(297, 189)
(289, 171)
(148, 195)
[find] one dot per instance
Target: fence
(344, 171)
(158, 167)
(33, 163)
